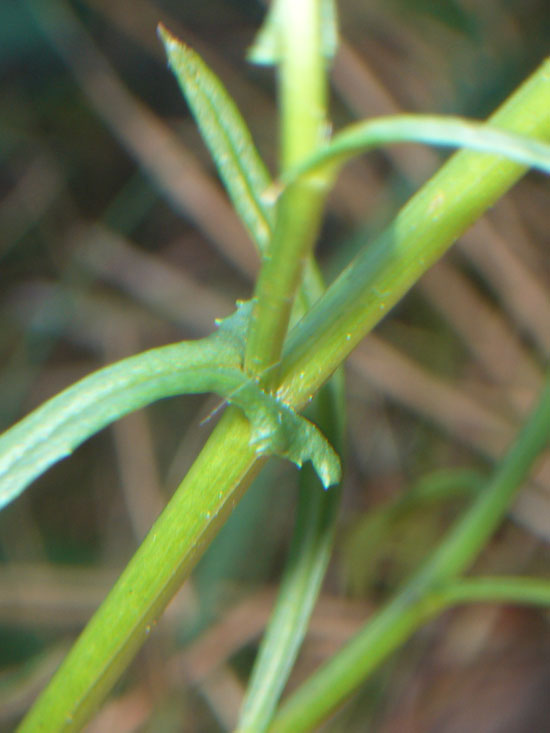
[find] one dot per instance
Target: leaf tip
(329, 471)
(164, 34)
(169, 41)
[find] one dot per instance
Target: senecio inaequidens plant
(267, 373)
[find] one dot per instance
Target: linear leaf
(212, 364)
(431, 129)
(226, 135)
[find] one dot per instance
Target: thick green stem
(169, 552)
(328, 688)
(463, 189)
(224, 467)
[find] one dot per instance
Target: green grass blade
(433, 130)
(54, 430)
(227, 137)
(378, 529)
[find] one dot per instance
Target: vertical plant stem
(302, 92)
(302, 81)
(310, 552)
(328, 688)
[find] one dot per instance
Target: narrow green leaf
(431, 129)
(213, 364)
(227, 137)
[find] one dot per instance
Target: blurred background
(115, 237)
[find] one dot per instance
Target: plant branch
(443, 209)
(329, 687)
(307, 562)
(498, 589)
(302, 89)
(425, 228)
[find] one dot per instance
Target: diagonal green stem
(463, 189)
(330, 686)
(439, 213)
(165, 558)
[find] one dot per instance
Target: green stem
(463, 189)
(328, 688)
(224, 467)
(302, 87)
(309, 555)
(176, 541)
(505, 589)
(296, 227)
